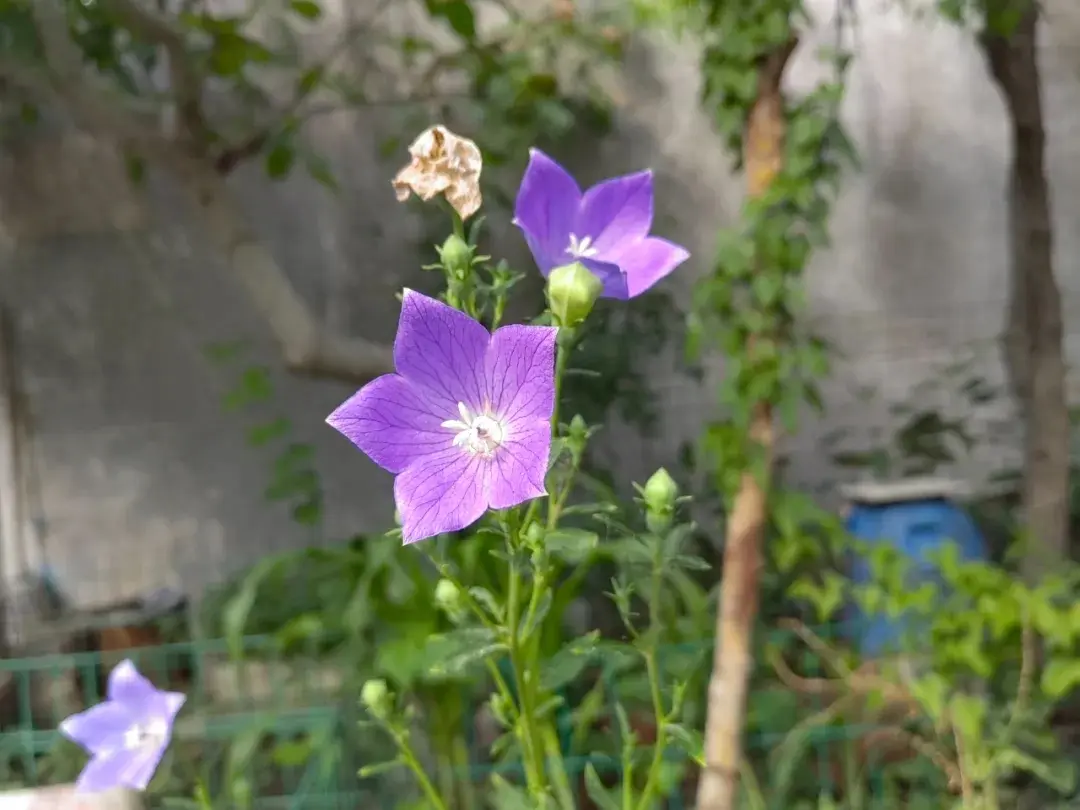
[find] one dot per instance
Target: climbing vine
(792, 152)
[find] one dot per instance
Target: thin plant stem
(532, 756)
(659, 714)
(414, 765)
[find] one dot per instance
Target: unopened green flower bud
(577, 437)
(375, 695)
(447, 595)
(534, 536)
(572, 291)
(456, 256)
(502, 710)
(660, 494)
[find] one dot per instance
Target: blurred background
(183, 270)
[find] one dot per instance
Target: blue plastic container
(916, 517)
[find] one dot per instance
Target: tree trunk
(732, 658)
(1032, 342)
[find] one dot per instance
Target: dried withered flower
(443, 163)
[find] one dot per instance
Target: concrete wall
(147, 483)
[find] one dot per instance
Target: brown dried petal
(443, 163)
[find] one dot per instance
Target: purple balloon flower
(126, 736)
(464, 424)
(606, 228)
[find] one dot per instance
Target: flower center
(146, 735)
(480, 434)
(581, 248)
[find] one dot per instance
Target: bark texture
(1032, 342)
(732, 659)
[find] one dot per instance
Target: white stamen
(480, 434)
(581, 248)
(146, 735)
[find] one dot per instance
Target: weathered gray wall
(147, 482)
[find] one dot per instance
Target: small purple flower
(464, 424)
(126, 736)
(606, 228)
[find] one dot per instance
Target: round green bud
(447, 595)
(660, 493)
(572, 291)
(375, 695)
(456, 256)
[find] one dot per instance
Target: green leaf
(260, 435)
(460, 664)
(307, 9)
(571, 545)
(293, 753)
(505, 796)
(225, 351)
(379, 768)
(1060, 677)
(253, 388)
(300, 630)
(1059, 775)
(231, 52)
(235, 614)
(308, 513)
(243, 747)
(691, 742)
(450, 655)
(600, 795)
(458, 13)
(310, 79)
(487, 600)
(136, 168)
(280, 159)
(968, 715)
(567, 663)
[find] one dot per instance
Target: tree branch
(306, 347)
(186, 85)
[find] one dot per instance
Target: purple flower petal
(648, 261)
(612, 277)
(607, 231)
(99, 728)
(132, 769)
(393, 423)
(444, 494)
(520, 466)
(441, 351)
(165, 706)
(521, 371)
(127, 686)
(102, 773)
(546, 209)
(616, 212)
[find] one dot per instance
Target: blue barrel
(917, 517)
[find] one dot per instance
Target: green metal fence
(265, 731)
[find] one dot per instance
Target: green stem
(531, 753)
(652, 671)
(561, 356)
(557, 498)
(414, 765)
(559, 781)
(660, 719)
(460, 757)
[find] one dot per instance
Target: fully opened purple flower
(606, 228)
(464, 424)
(126, 736)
